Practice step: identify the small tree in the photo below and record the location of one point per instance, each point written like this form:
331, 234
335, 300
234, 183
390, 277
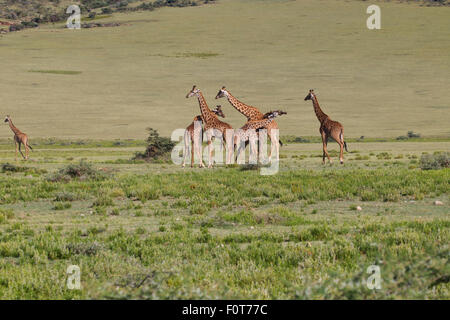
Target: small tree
158, 148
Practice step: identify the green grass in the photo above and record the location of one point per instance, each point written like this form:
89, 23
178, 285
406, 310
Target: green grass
159, 231
378, 83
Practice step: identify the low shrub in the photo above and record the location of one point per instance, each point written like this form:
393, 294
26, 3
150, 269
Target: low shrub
65, 197
158, 148
6, 214
435, 161
82, 170
62, 205
103, 201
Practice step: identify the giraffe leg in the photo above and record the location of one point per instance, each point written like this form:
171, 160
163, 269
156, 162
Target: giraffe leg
17, 150
323, 147
271, 144
198, 145
20, 150
339, 139
186, 149
253, 157
27, 150
229, 145
341, 155
192, 153
210, 150
240, 145
325, 151
275, 145
199, 155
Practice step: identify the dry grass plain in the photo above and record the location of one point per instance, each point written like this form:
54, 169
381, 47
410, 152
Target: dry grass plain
379, 83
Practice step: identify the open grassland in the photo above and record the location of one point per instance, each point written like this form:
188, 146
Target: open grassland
140, 230
105, 83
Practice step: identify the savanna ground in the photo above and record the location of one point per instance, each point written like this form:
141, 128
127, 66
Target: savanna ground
140, 230
155, 230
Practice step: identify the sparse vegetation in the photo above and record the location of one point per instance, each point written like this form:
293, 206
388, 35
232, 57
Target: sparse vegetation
228, 219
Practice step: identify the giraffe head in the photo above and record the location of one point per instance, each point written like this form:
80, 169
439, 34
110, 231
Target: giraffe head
310, 95
218, 111
7, 118
193, 92
222, 93
274, 114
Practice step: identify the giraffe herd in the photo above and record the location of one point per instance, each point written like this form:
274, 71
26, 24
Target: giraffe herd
230, 138
256, 120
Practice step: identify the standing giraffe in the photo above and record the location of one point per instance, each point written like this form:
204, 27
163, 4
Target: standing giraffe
192, 134
328, 128
19, 138
248, 132
253, 113
212, 125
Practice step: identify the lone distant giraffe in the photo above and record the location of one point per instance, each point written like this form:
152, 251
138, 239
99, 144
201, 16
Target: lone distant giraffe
19, 138
248, 132
328, 128
192, 136
212, 124
253, 113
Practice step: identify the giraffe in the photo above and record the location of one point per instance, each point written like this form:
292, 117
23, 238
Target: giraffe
328, 128
253, 113
248, 132
212, 125
192, 134
19, 138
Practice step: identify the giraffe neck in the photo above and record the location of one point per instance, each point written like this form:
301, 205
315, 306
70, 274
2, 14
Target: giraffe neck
321, 116
204, 109
239, 106
13, 128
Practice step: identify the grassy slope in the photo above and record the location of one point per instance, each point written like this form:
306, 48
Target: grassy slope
378, 83
159, 231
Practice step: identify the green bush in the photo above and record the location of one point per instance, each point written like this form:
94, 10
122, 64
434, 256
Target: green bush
158, 148
6, 214
435, 161
8, 167
103, 201
82, 170
65, 197
62, 205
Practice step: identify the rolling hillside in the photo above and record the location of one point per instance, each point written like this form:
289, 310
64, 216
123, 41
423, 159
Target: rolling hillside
105, 83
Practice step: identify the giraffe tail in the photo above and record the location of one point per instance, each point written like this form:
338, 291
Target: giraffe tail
281, 143
29, 146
